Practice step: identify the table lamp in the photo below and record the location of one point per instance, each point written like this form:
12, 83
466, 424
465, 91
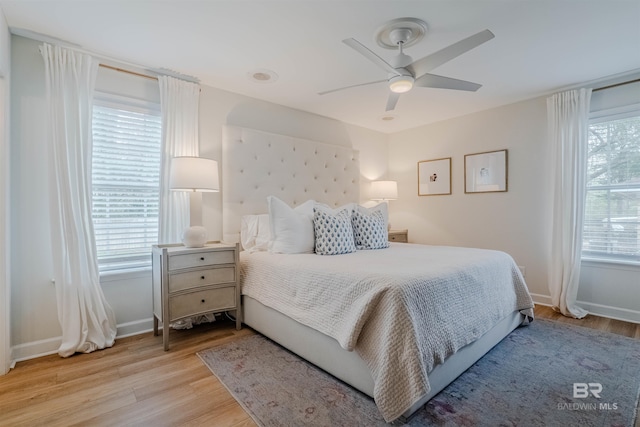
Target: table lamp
384, 190
195, 175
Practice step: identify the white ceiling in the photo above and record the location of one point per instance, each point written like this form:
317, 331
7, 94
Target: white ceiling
539, 46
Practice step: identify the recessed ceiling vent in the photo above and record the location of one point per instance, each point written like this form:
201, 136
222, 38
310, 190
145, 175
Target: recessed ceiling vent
263, 75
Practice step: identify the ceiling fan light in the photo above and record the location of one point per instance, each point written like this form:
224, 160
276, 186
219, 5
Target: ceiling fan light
401, 84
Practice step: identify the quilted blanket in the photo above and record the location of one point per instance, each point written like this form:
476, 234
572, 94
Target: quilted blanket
404, 309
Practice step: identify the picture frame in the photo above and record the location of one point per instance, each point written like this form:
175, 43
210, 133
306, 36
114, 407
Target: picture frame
434, 177
486, 172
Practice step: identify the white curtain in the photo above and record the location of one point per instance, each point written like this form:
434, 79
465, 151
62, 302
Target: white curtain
179, 101
568, 121
88, 322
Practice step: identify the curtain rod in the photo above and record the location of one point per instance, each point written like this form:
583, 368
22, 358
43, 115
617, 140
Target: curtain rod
100, 57
122, 70
616, 85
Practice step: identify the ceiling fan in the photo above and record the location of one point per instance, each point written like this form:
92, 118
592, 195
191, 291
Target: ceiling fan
403, 72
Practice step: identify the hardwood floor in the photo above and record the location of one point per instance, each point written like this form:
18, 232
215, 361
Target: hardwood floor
133, 383
137, 383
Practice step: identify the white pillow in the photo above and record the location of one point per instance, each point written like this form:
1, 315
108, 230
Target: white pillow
370, 229
255, 232
291, 229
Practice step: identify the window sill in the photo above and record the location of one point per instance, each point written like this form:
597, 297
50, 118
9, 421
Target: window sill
128, 274
608, 263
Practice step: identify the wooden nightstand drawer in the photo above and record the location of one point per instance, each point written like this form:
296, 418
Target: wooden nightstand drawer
399, 236
192, 281
202, 302
177, 262
198, 278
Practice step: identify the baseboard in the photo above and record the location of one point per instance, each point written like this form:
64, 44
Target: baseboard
541, 299
601, 310
32, 350
134, 328
615, 313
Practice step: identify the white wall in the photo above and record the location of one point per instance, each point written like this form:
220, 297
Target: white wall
509, 221
34, 323
5, 72
516, 221
33, 300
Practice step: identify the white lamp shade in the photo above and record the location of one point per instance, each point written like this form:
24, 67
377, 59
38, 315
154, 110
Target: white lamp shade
384, 190
194, 174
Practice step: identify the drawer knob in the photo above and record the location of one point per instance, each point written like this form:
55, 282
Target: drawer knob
201, 258
202, 300
202, 277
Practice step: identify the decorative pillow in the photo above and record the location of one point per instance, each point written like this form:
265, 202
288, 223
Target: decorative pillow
349, 207
382, 207
291, 229
255, 232
370, 229
334, 234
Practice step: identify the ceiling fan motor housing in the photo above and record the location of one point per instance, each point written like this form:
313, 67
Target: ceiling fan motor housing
400, 35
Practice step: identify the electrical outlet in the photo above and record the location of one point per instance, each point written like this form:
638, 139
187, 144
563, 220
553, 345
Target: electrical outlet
522, 269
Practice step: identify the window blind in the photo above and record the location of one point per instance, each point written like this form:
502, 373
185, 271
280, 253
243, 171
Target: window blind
612, 209
126, 182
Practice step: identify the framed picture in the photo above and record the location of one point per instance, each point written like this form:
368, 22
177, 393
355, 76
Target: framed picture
434, 177
485, 172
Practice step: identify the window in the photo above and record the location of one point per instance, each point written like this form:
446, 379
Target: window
612, 210
126, 181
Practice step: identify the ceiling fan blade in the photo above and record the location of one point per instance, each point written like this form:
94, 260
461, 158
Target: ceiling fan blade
392, 101
441, 82
366, 52
428, 63
349, 87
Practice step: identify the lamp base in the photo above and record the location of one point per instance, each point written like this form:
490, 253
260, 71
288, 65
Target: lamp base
194, 237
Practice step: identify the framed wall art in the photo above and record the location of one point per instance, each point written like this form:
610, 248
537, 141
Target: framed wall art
434, 177
485, 172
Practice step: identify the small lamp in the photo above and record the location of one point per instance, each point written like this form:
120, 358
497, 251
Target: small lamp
384, 190
195, 175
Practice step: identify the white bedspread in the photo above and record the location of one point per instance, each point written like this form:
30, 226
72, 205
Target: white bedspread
404, 309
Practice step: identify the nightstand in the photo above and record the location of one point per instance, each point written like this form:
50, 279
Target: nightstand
400, 236
193, 281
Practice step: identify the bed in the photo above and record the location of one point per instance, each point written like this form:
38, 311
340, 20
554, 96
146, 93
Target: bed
398, 324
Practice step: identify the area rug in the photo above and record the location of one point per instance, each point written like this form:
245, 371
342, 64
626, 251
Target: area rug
544, 374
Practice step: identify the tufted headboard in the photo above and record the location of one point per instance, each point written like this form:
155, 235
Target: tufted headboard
258, 164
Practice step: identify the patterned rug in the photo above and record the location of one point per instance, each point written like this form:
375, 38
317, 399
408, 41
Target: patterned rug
544, 374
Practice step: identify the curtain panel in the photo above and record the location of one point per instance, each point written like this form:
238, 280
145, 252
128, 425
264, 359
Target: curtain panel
179, 101
568, 121
87, 321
